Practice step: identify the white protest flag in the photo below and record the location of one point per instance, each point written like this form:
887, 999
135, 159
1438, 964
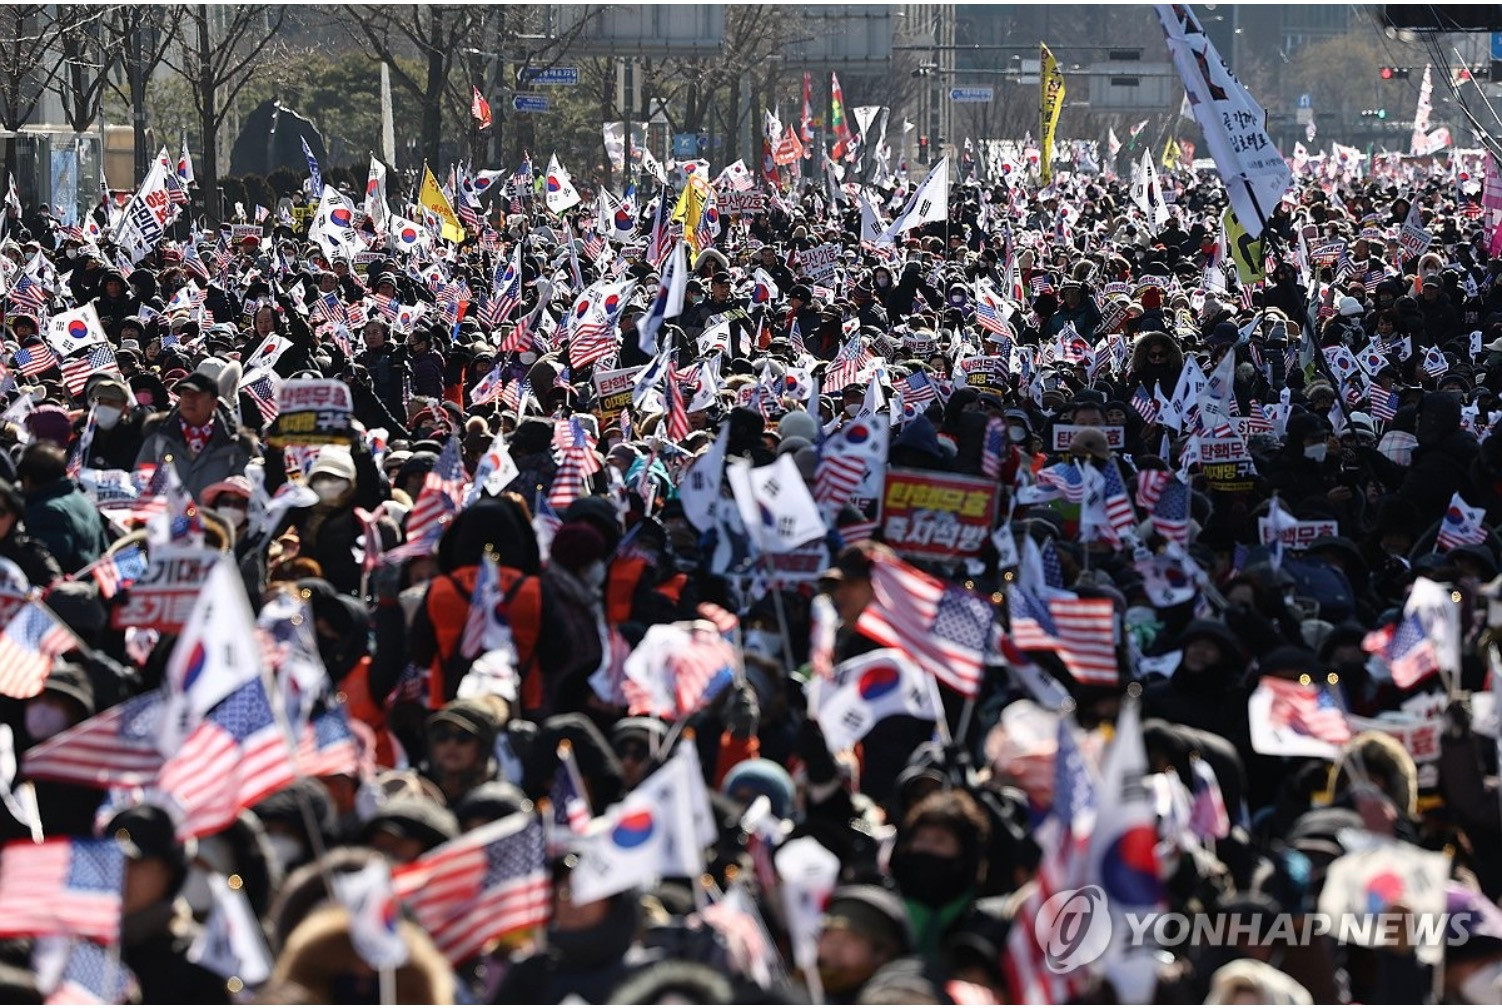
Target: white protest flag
368, 898
1390, 877
867, 689
407, 235
807, 873
930, 203
375, 194
659, 830
699, 491
668, 302
231, 943
1234, 125
779, 513
333, 227
69, 332
19, 800
494, 472
1186, 395
216, 653
1147, 193
150, 211
558, 188
1419, 142
871, 223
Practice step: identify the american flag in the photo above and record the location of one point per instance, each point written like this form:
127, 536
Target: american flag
34, 360
1384, 405
846, 368
117, 570
570, 806
1308, 709
1146, 405
1150, 484
578, 462
262, 392
116, 748
234, 758
1171, 512
28, 645
593, 340
795, 340
1066, 478
77, 370
675, 684
1081, 630
1040, 285
328, 746
1406, 649
385, 306
484, 884
1119, 513
678, 427
943, 627
993, 449
91, 976
68, 887
441, 494
28, 294
1031, 978
918, 391
990, 319
506, 288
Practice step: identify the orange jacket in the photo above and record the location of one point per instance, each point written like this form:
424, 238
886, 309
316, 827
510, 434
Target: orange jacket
363, 707
625, 575
447, 605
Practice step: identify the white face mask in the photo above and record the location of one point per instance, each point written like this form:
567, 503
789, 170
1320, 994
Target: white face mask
1316, 452
233, 513
852, 409
593, 575
764, 643
44, 720
527, 358
1483, 986
1017, 434
330, 490
107, 416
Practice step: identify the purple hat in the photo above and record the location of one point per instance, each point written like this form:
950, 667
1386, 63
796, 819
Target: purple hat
50, 422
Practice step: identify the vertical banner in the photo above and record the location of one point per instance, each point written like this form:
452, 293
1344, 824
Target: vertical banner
1050, 101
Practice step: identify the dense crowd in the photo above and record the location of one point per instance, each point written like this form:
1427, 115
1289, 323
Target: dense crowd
1100, 518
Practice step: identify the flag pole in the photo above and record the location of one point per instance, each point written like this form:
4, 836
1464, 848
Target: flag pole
388, 985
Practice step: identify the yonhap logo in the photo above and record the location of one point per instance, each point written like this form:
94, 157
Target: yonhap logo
1073, 928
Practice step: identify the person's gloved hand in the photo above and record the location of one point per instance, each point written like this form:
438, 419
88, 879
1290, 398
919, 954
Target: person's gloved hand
742, 711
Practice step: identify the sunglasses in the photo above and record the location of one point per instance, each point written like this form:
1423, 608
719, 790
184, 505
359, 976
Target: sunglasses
444, 733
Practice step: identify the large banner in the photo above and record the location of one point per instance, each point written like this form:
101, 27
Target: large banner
150, 211
928, 514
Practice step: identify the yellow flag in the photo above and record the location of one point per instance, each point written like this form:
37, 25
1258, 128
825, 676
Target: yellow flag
433, 200
1050, 101
1244, 250
1171, 154
690, 208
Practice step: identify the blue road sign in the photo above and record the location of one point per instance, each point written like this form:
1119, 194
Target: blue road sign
530, 102
971, 94
1306, 101
565, 76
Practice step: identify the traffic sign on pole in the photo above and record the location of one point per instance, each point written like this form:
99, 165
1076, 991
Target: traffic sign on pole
975, 95
530, 102
565, 76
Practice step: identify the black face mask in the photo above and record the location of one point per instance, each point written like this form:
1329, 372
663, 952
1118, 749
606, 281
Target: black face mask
930, 879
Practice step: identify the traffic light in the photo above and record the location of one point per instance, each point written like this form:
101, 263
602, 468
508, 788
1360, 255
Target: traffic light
1374, 113
923, 147
1393, 73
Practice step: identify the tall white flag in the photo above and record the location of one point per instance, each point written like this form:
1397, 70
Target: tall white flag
869, 688
375, 194
1234, 125
930, 203
779, 513
558, 188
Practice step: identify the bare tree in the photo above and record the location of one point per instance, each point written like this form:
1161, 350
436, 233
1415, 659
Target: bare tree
88, 54
435, 34
222, 48
28, 66
140, 35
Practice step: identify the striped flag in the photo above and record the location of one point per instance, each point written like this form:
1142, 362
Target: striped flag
943, 627
1066, 478
34, 360
29, 644
486, 883
235, 757
90, 361
577, 463
68, 887
675, 670
1150, 484
441, 494
678, 427
917, 391
28, 294
89, 975
1171, 512
1032, 977
993, 449
116, 748
117, 570
1147, 406
328, 746
1119, 514
1082, 631
1384, 405
262, 392
1462, 525
1306, 708
1407, 650
506, 289
570, 806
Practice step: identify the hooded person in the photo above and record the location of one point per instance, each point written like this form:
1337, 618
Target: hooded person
502, 528
573, 610
939, 863
1205, 690
28, 553
1442, 460
460, 743
156, 927
865, 937
1156, 360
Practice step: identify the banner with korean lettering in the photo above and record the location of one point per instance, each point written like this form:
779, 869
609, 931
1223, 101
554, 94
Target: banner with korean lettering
1225, 464
928, 514
1234, 125
312, 411
1050, 103
984, 374
148, 214
1296, 535
162, 598
613, 391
